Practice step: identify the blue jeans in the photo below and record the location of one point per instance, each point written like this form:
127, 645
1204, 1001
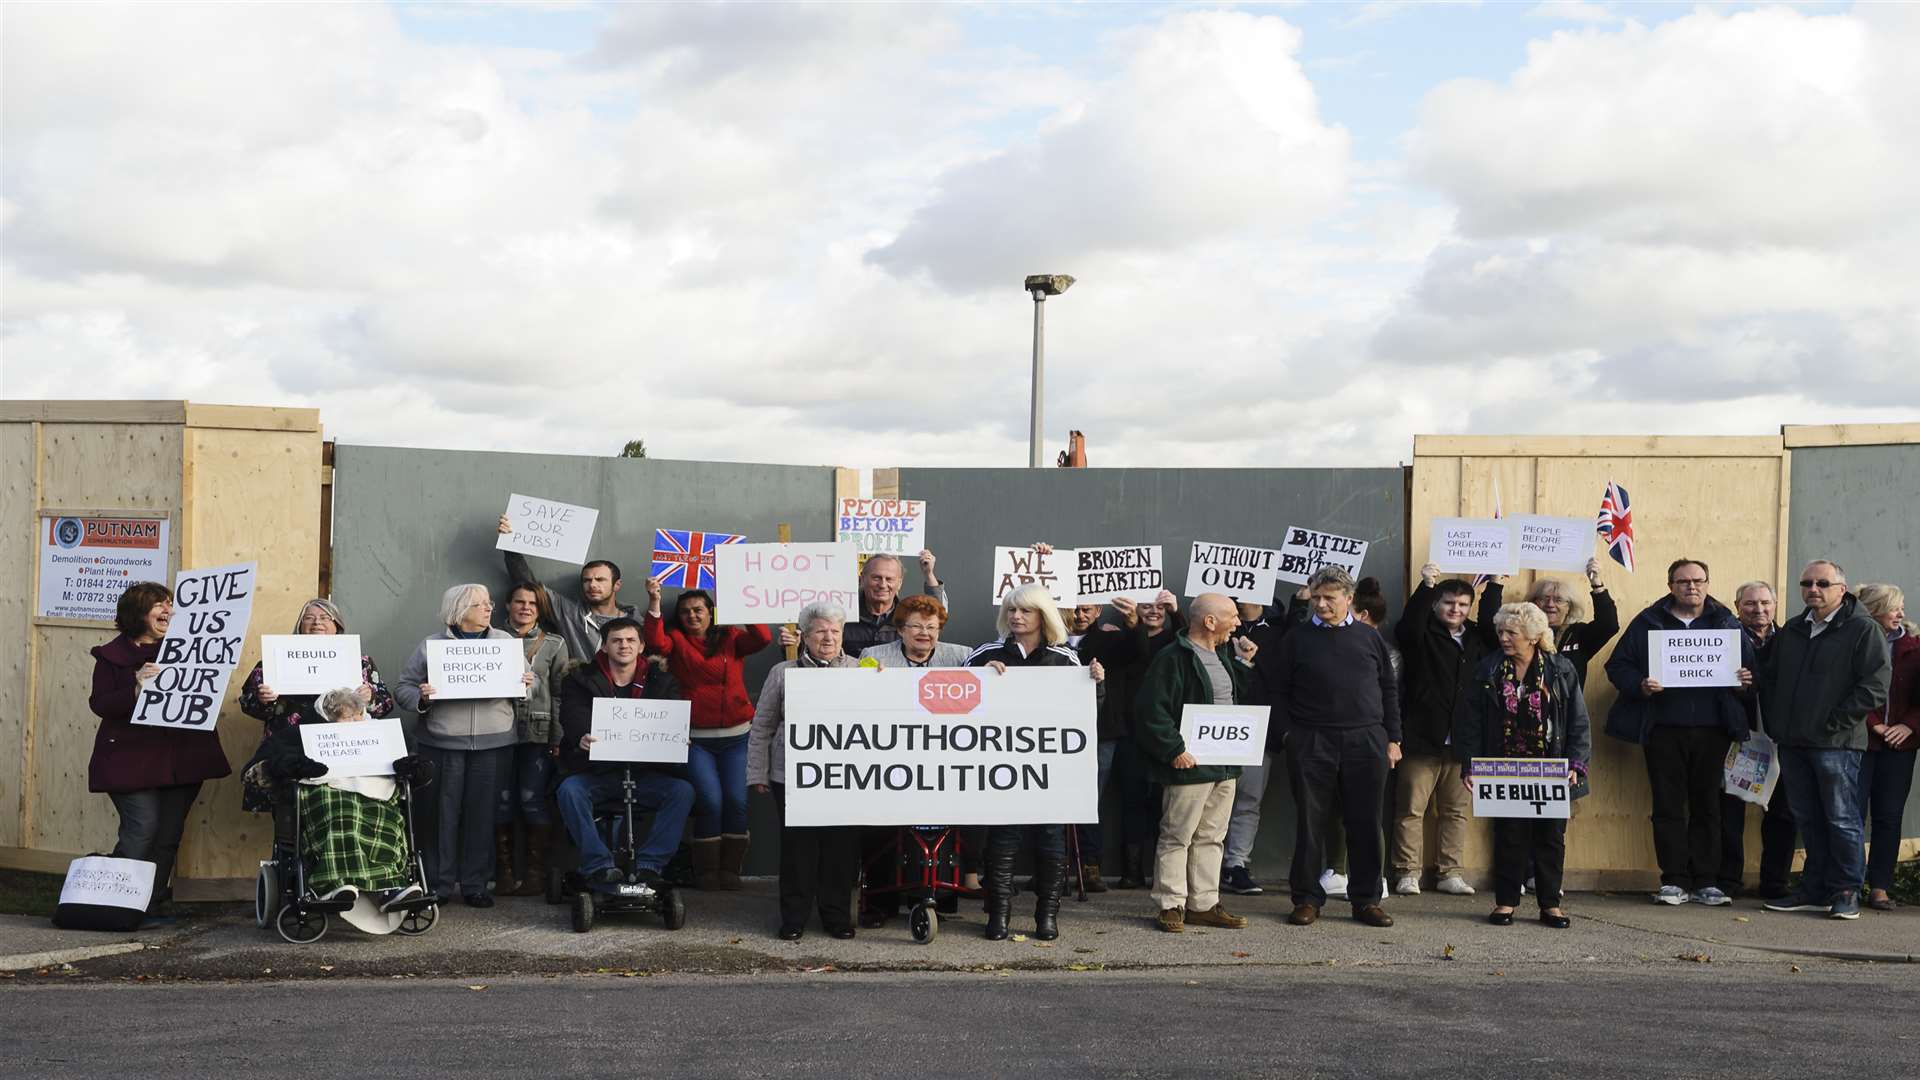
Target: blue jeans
523, 788
1886, 776
669, 797
718, 769
1823, 788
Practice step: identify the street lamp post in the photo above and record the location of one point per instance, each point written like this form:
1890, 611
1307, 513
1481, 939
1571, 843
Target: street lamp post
1040, 286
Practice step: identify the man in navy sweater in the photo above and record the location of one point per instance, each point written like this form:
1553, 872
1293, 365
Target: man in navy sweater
1337, 705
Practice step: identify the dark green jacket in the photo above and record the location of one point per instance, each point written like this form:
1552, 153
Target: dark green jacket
1817, 691
1173, 681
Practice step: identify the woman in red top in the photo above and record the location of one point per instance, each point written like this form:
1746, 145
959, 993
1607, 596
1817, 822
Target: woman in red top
708, 661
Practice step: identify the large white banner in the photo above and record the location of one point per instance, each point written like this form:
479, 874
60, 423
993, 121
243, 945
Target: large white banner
941, 747
771, 583
210, 613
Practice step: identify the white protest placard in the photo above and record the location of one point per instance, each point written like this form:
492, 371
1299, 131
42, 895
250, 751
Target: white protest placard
872, 526
108, 882
1680, 658
1752, 770
1017, 566
355, 747
1521, 788
463, 668
640, 729
87, 562
1225, 734
551, 530
1471, 546
1551, 543
309, 663
1307, 550
210, 613
1102, 573
1244, 573
933, 747
770, 583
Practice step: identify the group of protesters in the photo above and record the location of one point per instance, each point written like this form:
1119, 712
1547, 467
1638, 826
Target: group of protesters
1377, 729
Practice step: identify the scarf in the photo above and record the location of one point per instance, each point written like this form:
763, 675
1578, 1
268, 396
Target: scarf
1523, 707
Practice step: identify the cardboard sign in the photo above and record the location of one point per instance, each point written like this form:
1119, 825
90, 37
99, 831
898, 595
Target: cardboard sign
1102, 573
1752, 770
1471, 546
461, 669
310, 663
1017, 566
1521, 788
108, 882
935, 746
354, 748
87, 562
1307, 551
872, 526
1225, 734
551, 530
770, 583
1680, 658
1244, 573
1551, 543
210, 613
639, 729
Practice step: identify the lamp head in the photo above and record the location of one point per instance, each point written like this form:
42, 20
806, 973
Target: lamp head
1045, 285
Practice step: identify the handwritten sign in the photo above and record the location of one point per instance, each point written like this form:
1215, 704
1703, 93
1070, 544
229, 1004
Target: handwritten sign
1102, 573
354, 748
1521, 788
1244, 573
551, 530
1225, 734
1694, 657
1017, 566
873, 526
210, 613
1471, 546
1307, 550
309, 663
108, 882
639, 729
1551, 543
87, 562
770, 583
462, 668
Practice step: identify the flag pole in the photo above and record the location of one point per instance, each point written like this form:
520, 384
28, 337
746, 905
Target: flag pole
786, 537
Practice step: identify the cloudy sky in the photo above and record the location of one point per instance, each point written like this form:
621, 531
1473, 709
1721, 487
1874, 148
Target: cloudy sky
793, 233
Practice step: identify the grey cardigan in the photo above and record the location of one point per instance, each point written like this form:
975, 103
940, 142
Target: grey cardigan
466, 724
767, 741
536, 717
892, 655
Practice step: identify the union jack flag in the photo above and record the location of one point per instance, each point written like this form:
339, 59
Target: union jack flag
684, 559
1615, 525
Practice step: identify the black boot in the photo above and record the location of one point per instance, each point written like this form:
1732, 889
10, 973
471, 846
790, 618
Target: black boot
1049, 876
999, 884
1133, 868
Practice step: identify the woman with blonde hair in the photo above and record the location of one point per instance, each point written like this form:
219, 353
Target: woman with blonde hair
1526, 701
1886, 772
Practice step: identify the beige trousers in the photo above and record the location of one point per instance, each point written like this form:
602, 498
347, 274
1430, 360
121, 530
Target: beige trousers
1425, 779
1193, 831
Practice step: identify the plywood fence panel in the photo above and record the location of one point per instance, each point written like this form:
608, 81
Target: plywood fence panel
104, 466
61, 815
17, 555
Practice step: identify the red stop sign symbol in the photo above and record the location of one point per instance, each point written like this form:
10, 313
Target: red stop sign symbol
951, 691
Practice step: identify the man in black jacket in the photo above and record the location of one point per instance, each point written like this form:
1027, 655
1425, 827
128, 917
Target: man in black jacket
616, 672
1114, 645
1827, 669
1684, 731
880, 582
1264, 626
1439, 647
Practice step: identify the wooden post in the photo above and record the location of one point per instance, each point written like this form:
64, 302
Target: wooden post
786, 537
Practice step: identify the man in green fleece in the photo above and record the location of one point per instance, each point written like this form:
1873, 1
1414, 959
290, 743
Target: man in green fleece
1200, 668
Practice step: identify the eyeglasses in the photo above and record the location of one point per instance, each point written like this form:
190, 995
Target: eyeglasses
1820, 583
918, 628
1695, 582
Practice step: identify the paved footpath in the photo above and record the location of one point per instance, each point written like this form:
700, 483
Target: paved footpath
732, 933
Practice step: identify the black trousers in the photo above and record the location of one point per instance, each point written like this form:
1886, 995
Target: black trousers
1515, 841
1047, 843
1777, 839
1347, 768
817, 865
1685, 769
151, 821
456, 818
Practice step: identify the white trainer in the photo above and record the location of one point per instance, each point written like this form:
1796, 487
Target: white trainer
1672, 894
1454, 885
1333, 884
1408, 885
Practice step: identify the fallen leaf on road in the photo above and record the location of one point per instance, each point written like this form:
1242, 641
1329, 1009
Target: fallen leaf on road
1238, 955
1003, 974
266, 971
1741, 918
1019, 937
1085, 950
1043, 944
1696, 957
1191, 982
478, 986
1497, 971
818, 970
1446, 953
733, 941
326, 967
1078, 967
1794, 968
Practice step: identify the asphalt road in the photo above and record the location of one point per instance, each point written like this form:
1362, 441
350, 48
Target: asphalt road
1754, 1022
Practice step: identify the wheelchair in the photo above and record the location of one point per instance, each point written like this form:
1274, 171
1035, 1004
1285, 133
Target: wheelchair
617, 821
282, 899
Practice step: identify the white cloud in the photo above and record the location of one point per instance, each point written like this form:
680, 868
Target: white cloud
1579, 11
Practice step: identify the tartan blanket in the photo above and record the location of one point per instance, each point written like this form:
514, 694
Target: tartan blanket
350, 839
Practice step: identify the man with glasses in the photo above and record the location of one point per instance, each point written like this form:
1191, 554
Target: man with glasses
1827, 669
1684, 731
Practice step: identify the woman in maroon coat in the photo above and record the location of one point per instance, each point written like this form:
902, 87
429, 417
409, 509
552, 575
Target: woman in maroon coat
152, 774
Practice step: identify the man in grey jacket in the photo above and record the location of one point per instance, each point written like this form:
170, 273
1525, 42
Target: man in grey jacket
580, 620
1826, 670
